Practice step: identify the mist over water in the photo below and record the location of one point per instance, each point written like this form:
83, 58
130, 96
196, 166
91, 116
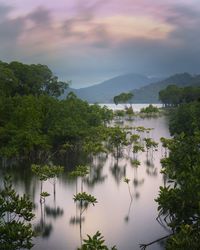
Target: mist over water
136, 107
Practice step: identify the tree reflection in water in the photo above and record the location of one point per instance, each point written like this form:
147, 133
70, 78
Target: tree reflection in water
118, 172
84, 200
151, 170
54, 212
96, 176
126, 180
127, 217
42, 228
78, 220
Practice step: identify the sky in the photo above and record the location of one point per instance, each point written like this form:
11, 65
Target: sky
89, 41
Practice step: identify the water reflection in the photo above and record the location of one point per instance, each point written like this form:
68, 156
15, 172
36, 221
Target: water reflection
123, 222
75, 220
149, 162
137, 182
43, 228
152, 171
118, 172
54, 212
127, 217
79, 219
96, 176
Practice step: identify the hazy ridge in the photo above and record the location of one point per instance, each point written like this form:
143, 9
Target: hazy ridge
145, 89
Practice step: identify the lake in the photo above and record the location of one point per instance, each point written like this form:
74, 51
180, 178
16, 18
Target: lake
123, 223
136, 106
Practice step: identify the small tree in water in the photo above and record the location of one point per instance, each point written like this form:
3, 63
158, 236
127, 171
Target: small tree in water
45, 172
117, 139
95, 242
80, 171
84, 200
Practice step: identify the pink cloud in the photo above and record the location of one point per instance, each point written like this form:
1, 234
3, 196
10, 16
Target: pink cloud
120, 33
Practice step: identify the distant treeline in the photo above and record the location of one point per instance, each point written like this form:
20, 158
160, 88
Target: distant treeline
173, 95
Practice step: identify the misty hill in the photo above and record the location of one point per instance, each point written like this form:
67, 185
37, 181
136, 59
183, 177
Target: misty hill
105, 91
145, 89
149, 94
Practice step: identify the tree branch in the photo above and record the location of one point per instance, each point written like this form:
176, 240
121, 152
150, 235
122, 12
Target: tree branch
144, 246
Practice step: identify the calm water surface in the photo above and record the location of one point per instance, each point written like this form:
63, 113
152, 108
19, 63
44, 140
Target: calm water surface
122, 222
136, 106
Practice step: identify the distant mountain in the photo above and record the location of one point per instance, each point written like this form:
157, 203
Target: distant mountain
149, 93
105, 91
145, 89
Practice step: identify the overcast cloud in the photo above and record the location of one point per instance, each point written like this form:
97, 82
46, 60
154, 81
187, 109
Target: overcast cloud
89, 41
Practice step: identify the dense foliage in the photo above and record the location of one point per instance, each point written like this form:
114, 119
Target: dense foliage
179, 201
34, 124
96, 242
185, 119
15, 216
173, 95
35, 79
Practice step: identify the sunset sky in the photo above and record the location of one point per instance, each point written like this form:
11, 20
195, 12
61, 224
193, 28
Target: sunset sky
89, 41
